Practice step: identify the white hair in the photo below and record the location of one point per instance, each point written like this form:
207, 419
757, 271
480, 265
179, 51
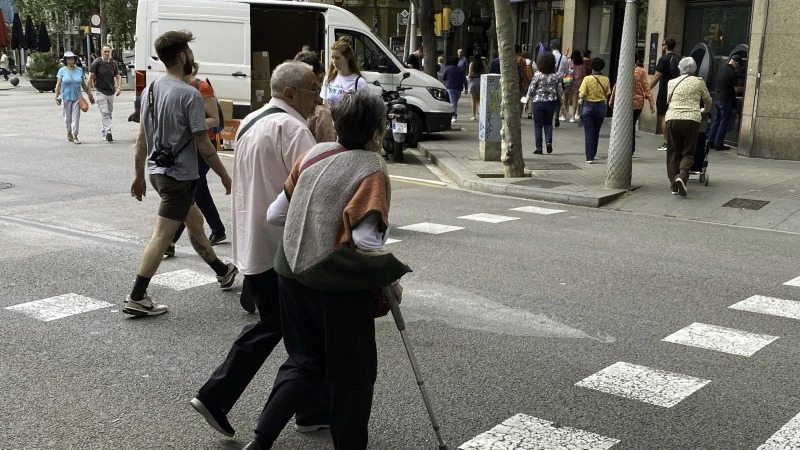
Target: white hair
289, 74
687, 66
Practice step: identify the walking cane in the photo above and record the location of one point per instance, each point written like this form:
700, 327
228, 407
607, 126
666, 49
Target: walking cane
401, 327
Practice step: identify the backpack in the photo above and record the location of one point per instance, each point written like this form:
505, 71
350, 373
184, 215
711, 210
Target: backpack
221, 125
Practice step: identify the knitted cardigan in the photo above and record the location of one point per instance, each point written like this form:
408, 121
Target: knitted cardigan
331, 190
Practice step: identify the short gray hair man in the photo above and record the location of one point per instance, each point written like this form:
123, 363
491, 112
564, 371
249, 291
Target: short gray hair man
687, 66
288, 74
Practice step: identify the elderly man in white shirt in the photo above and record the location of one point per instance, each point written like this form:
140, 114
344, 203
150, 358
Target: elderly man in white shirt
268, 143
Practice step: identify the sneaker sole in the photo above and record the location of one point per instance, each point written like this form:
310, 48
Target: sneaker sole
141, 313
310, 428
201, 408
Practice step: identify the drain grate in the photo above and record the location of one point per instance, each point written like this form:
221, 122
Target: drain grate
746, 203
5, 185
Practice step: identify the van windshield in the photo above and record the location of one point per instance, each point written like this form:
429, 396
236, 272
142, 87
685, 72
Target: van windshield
371, 57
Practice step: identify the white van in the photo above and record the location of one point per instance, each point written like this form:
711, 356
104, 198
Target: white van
228, 31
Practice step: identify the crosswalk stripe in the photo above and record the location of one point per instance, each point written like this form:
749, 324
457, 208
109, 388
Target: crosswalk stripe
490, 218
793, 282
787, 437
769, 305
657, 387
58, 307
721, 339
538, 210
431, 228
180, 280
523, 432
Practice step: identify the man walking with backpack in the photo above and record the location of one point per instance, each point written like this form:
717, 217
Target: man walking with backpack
104, 75
172, 132
666, 69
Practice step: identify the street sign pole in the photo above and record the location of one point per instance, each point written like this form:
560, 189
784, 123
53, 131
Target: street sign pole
620, 148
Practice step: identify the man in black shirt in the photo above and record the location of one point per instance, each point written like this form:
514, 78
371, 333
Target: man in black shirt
666, 69
414, 60
724, 102
105, 76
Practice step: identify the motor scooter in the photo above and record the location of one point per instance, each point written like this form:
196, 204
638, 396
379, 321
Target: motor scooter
398, 115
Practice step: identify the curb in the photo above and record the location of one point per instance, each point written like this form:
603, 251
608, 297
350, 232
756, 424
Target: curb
470, 181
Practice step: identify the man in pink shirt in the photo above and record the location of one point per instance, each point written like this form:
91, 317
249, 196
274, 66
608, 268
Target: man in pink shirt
268, 143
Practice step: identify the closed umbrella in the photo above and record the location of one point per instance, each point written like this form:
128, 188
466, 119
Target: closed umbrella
31, 43
17, 38
4, 40
44, 39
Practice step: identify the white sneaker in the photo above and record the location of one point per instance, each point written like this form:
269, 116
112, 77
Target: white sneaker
226, 281
453, 120
143, 307
562, 118
589, 161
571, 120
662, 148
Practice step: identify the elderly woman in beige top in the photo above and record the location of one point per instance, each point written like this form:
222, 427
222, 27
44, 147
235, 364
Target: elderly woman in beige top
684, 113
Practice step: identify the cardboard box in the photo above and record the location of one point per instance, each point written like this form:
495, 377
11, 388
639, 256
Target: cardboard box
230, 129
260, 66
259, 94
227, 108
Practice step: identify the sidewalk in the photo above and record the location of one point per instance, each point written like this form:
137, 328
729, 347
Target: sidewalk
564, 177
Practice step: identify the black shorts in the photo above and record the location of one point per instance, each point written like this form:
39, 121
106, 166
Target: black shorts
177, 197
661, 106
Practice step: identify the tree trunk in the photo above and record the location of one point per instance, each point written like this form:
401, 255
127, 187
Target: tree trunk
426, 18
510, 133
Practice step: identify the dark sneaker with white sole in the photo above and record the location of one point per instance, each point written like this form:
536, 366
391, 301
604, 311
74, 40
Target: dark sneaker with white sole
215, 238
170, 251
214, 416
109, 138
681, 186
143, 307
226, 281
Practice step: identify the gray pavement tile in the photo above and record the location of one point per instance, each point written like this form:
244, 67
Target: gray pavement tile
772, 214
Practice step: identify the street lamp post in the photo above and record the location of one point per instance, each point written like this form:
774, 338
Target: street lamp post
620, 148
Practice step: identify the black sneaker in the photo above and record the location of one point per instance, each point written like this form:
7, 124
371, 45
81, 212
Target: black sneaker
170, 251
226, 281
214, 416
246, 301
215, 238
558, 122
722, 148
681, 186
310, 428
109, 138
549, 148
538, 151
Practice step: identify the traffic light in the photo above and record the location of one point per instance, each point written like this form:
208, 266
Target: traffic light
446, 19
437, 24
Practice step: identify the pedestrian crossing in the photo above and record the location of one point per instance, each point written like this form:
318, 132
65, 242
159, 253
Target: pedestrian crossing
651, 385
436, 228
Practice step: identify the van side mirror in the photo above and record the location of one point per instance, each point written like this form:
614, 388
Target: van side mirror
383, 64
377, 83
406, 75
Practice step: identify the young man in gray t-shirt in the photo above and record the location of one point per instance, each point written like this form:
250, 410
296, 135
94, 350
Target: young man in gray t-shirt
171, 134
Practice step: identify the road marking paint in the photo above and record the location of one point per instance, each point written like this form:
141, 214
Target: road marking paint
59, 307
431, 228
418, 180
490, 218
721, 339
769, 305
183, 279
523, 432
657, 387
537, 210
393, 241
794, 282
785, 438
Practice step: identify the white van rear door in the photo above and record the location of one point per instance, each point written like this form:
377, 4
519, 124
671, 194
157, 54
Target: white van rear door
222, 41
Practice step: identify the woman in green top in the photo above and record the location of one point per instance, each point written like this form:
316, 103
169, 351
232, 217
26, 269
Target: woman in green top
68, 90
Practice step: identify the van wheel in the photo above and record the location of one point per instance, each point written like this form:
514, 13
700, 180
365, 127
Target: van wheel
415, 131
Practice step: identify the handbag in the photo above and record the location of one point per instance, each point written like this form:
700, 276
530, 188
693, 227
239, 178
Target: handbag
83, 104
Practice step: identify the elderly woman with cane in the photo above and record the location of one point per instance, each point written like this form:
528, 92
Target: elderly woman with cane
332, 267
682, 125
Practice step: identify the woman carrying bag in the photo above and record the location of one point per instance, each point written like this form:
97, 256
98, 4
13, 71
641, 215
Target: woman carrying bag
593, 94
68, 90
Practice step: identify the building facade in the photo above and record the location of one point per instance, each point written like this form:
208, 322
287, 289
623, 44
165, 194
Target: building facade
767, 119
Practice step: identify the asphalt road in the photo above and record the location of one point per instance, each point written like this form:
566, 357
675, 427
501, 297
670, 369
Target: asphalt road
507, 318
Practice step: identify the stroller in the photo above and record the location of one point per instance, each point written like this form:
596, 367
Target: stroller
700, 167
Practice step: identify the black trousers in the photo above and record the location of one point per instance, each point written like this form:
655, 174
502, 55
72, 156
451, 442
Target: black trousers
330, 338
251, 349
204, 201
